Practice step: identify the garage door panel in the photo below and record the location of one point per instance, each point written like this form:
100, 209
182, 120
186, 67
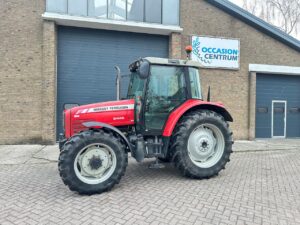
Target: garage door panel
277, 87
293, 122
263, 120
86, 60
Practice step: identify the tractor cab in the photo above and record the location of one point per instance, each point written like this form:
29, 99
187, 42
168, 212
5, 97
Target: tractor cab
159, 86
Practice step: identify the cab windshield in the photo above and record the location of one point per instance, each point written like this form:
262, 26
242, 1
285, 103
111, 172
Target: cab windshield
195, 83
136, 86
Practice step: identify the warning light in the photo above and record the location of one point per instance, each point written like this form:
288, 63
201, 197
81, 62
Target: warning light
188, 50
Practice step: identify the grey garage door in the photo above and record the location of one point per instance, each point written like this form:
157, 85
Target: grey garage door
86, 60
277, 106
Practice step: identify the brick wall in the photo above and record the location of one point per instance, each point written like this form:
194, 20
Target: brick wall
49, 83
232, 87
175, 46
20, 71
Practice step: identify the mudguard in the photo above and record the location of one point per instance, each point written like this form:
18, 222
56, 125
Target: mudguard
193, 104
96, 125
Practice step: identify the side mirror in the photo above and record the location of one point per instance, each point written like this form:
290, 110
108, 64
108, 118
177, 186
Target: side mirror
70, 105
143, 70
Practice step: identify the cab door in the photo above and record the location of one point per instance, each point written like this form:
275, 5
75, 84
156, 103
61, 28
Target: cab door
166, 91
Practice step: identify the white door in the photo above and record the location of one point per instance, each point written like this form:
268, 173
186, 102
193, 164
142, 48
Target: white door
278, 119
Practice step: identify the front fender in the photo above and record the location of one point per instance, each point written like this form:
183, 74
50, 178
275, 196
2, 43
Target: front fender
190, 105
98, 125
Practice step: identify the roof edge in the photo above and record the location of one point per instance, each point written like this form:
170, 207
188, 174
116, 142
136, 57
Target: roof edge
256, 22
176, 62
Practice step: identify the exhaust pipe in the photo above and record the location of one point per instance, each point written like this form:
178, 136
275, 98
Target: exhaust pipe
118, 80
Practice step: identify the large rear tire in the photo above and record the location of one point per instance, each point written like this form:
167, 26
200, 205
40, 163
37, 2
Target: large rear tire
92, 162
202, 144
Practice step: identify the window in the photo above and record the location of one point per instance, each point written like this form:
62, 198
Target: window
262, 109
77, 7
117, 9
58, 6
135, 10
170, 12
294, 110
153, 11
167, 82
278, 110
136, 86
166, 90
195, 83
149, 11
97, 8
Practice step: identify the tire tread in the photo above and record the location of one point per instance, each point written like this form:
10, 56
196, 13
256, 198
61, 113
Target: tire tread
179, 139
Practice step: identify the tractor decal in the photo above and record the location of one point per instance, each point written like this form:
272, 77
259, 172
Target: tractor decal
106, 109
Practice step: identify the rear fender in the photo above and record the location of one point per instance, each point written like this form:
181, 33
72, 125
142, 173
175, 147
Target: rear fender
192, 105
97, 125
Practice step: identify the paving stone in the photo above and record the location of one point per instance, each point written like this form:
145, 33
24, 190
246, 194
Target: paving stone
255, 188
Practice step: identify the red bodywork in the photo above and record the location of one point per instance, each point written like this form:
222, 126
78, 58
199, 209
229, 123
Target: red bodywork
115, 113
189, 104
121, 113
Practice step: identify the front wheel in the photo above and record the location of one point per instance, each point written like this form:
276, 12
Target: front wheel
202, 144
92, 162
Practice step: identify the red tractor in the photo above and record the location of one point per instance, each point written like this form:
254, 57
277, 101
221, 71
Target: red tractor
164, 116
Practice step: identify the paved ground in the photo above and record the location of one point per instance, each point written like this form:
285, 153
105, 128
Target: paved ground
257, 187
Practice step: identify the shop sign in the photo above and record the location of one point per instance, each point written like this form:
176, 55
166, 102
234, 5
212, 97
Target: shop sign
214, 52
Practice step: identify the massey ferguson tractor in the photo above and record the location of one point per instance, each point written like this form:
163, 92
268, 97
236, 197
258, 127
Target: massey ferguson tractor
163, 116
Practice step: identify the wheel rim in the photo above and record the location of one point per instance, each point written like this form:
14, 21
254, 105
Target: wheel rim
95, 163
206, 145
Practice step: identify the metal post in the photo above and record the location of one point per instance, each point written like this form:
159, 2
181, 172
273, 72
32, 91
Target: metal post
118, 79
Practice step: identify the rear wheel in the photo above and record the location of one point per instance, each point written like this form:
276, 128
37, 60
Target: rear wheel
202, 144
92, 162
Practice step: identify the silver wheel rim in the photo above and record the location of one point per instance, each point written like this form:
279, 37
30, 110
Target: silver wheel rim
95, 163
206, 145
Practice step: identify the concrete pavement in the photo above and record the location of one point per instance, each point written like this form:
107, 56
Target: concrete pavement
28, 154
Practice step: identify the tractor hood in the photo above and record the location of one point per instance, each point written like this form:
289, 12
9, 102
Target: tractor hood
103, 107
115, 113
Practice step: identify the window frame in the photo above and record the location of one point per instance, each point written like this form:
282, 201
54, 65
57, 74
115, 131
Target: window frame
189, 84
89, 2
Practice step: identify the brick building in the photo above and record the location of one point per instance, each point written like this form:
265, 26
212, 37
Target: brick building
63, 51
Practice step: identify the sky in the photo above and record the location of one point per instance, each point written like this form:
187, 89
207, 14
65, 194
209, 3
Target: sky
240, 3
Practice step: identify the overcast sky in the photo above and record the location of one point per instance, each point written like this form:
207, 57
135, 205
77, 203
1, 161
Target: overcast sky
240, 3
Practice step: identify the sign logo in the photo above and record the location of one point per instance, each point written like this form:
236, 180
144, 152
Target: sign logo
216, 52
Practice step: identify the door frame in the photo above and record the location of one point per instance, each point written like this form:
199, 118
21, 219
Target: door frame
272, 118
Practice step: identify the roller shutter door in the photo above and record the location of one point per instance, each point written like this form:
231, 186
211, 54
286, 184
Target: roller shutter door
277, 106
86, 60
